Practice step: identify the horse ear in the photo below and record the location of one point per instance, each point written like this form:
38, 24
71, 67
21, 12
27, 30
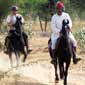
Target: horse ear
17, 17
67, 21
63, 21
20, 18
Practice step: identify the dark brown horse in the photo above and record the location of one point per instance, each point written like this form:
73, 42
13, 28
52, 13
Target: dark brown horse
16, 42
63, 53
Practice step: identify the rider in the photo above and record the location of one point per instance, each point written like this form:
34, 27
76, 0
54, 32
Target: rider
11, 20
56, 25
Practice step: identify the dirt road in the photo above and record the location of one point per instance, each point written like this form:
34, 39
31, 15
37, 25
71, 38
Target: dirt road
37, 70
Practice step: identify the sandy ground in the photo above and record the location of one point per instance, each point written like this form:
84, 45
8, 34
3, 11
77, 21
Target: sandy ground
37, 70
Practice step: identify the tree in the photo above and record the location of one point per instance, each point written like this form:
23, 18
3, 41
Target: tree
4, 7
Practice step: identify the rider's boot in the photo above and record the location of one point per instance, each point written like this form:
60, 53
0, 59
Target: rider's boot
74, 56
27, 46
54, 56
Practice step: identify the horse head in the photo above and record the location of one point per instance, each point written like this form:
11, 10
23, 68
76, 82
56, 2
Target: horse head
65, 28
18, 21
18, 24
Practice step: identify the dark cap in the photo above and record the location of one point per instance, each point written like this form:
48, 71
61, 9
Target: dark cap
14, 8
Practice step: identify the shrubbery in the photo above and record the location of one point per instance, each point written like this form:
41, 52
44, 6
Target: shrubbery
80, 36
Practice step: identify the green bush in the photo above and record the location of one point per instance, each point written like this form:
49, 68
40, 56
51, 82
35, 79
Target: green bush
80, 36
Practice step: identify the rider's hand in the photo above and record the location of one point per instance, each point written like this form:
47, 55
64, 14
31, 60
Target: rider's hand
57, 33
13, 25
60, 34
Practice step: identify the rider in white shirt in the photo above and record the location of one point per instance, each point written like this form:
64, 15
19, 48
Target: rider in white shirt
56, 25
11, 20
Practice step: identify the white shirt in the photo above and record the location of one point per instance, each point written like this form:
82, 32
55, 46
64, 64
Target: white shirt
56, 23
12, 19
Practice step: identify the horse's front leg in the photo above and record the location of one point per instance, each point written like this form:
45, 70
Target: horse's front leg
11, 61
17, 54
56, 74
61, 68
66, 73
25, 56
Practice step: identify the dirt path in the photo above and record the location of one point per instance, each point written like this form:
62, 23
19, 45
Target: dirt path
37, 70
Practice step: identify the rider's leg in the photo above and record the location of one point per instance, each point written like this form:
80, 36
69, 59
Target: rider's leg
7, 40
53, 50
54, 59
11, 61
49, 48
74, 44
26, 41
17, 54
74, 55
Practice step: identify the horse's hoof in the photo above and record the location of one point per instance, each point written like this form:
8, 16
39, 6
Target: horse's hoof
76, 60
6, 52
23, 60
61, 76
56, 81
65, 82
51, 62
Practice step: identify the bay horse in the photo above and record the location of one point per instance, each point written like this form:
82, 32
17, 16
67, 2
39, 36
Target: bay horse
16, 42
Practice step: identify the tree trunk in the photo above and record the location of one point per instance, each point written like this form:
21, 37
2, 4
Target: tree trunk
46, 24
41, 24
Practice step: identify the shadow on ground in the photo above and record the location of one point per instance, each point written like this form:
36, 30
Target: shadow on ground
20, 83
24, 83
